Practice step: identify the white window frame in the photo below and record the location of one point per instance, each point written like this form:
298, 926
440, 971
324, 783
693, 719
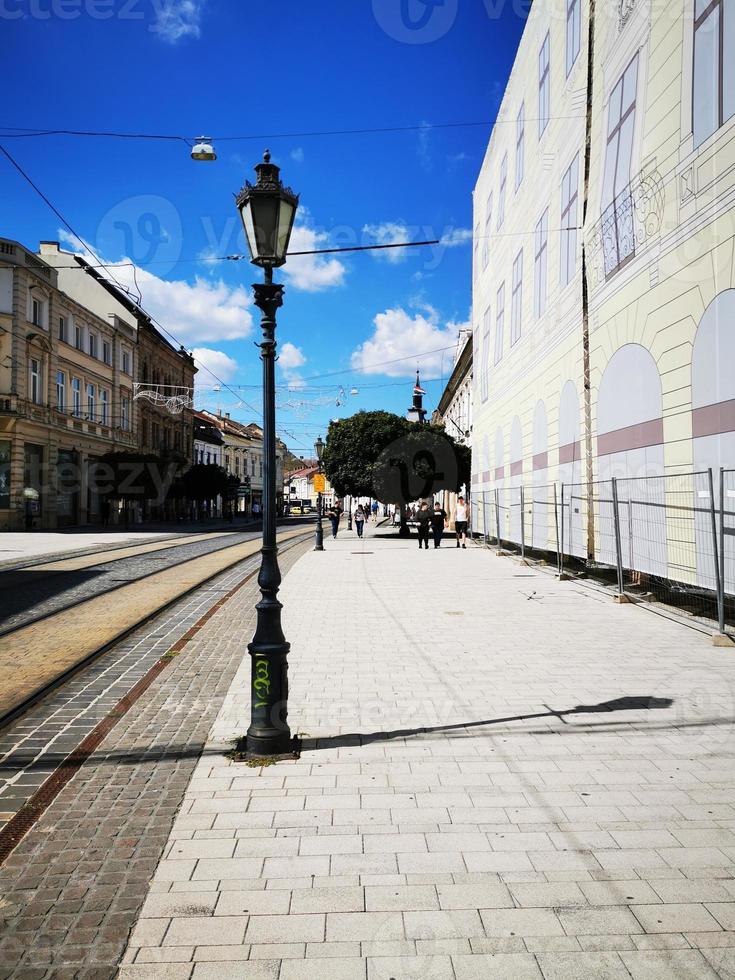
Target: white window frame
78, 336
91, 403
712, 15
485, 369
76, 397
568, 232
35, 380
107, 352
488, 231
92, 344
501, 192
520, 143
60, 391
540, 264
126, 362
104, 399
125, 413
574, 33
618, 235
544, 85
64, 329
516, 303
499, 323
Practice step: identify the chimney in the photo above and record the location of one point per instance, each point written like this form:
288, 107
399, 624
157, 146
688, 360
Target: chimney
227, 415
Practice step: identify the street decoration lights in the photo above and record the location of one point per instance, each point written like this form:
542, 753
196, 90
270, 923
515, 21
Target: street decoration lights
267, 210
319, 545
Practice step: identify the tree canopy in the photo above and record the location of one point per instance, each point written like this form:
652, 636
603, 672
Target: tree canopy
382, 455
205, 481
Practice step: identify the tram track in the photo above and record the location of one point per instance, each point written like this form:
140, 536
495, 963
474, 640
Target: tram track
54, 733
37, 656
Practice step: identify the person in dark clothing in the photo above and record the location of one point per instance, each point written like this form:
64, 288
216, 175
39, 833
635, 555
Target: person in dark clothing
423, 520
359, 520
438, 523
334, 513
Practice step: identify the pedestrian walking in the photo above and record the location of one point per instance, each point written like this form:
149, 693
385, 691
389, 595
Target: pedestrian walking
359, 520
438, 523
423, 520
460, 522
334, 513
375, 511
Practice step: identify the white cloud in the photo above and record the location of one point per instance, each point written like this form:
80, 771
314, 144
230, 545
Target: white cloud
399, 335
298, 154
312, 273
290, 357
453, 237
191, 311
388, 233
223, 366
177, 19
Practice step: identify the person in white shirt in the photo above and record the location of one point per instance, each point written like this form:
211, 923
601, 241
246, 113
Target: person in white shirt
460, 522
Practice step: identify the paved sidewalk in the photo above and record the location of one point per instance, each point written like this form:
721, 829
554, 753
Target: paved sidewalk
502, 776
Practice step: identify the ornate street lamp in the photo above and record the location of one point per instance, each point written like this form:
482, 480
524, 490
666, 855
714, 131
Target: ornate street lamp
319, 546
268, 209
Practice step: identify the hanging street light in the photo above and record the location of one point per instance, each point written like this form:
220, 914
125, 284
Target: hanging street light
319, 545
203, 149
267, 210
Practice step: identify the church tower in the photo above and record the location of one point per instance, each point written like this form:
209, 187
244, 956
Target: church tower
417, 412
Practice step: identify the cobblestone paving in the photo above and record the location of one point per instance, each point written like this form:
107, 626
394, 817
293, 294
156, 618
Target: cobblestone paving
72, 889
506, 777
29, 596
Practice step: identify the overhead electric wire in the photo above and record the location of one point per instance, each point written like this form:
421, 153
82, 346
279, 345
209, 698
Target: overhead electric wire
84, 244
21, 132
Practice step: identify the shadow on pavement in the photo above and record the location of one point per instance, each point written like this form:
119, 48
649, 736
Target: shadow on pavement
645, 703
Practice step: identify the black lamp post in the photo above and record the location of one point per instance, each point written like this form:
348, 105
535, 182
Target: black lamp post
268, 209
319, 545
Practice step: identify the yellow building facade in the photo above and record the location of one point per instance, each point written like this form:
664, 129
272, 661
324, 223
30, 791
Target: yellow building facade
604, 301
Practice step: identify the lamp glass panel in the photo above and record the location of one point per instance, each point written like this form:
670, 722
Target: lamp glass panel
285, 222
246, 213
265, 219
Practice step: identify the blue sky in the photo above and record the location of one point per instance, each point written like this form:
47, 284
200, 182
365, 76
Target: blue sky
234, 68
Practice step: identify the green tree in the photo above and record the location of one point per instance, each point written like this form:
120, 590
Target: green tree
205, 481
385, 456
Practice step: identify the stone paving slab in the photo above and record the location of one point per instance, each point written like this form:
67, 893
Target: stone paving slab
71, 891
501, 775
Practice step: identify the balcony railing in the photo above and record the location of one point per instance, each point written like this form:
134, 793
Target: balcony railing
631, 220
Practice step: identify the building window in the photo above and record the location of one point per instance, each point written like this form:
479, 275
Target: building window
78, 337
125, 413
90, 402
713, 101
501, 193
126, 362
516, 305
64, 329
92, 345
38, 312
568, 233
488, 230
36, 385
485, 376
499, 323
477, 250
574, 31
544, 70
618, 238
541, 243
104, 406
106, 352
61, 391
520, 137
76, 396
